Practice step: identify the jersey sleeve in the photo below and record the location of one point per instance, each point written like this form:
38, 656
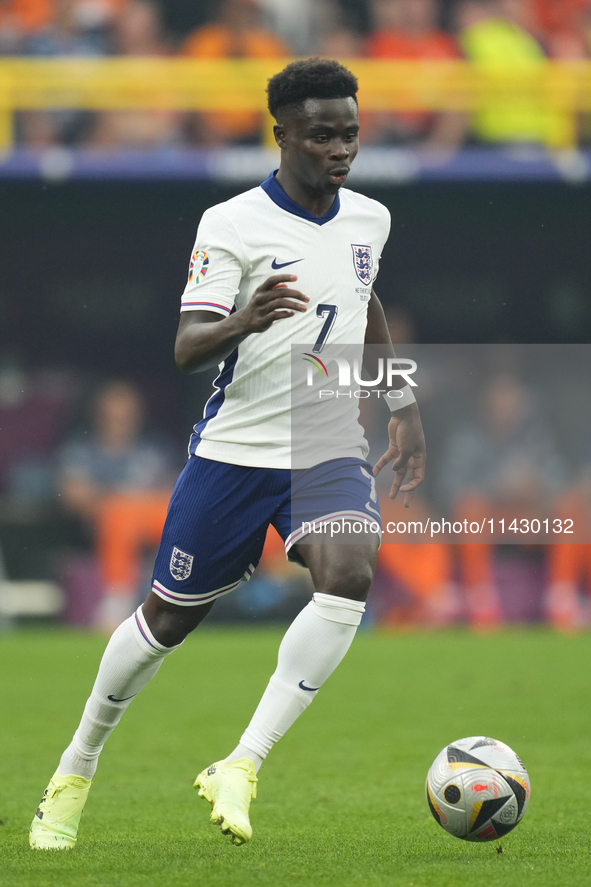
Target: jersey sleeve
216, 267
385, 223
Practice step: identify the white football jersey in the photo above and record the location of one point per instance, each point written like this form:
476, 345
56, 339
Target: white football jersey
242, 242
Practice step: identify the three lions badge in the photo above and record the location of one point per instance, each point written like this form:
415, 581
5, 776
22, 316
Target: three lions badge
181, 564
363, 262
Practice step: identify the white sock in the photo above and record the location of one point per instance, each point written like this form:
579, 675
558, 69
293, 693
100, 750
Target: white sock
313, 646
130, 661
241, 751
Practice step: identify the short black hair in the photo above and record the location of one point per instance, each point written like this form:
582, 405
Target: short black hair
312, 78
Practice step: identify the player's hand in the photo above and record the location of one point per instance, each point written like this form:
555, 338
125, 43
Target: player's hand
272, 300
406, 452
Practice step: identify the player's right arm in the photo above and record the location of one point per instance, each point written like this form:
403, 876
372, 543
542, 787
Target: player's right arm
204, 338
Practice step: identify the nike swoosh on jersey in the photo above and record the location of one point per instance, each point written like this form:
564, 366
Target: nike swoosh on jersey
112, 698
311, 689
276, 265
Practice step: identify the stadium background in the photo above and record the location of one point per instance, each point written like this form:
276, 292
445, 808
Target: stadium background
101, 200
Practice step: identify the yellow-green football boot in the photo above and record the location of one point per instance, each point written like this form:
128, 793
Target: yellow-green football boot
55, 824
229, 786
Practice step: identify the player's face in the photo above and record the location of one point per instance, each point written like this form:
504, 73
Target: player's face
320, 142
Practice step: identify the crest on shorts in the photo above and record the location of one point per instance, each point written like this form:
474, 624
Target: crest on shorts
363, 262
181, 564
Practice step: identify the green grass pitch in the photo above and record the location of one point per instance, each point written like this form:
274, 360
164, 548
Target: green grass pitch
341, 798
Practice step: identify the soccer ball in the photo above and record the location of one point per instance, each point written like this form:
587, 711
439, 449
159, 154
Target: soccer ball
477, 789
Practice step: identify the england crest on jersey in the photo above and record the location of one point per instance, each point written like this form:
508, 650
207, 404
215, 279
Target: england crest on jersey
363, 262
181, 564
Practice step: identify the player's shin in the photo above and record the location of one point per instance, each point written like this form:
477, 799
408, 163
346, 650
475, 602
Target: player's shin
315, 643
130, 661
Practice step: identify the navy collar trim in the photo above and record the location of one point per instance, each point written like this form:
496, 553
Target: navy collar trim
278, 196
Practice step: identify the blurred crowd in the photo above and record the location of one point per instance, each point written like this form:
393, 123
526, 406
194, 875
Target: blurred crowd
524, 32
96, 460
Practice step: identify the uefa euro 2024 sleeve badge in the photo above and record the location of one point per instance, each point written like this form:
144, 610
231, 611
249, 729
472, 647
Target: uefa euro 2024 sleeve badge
181, 564
198, 266
363, 262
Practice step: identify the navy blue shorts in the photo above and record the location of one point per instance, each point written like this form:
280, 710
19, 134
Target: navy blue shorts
219, 514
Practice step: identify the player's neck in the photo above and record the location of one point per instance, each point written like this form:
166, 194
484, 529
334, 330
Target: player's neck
316, 203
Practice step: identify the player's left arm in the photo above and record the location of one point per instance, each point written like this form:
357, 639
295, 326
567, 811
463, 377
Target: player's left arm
405, 430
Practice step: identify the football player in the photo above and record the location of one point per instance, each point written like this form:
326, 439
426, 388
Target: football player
241, 310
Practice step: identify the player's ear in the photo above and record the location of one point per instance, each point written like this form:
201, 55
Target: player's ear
279, 133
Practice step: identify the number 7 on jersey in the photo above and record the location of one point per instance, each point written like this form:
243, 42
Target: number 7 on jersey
330, 312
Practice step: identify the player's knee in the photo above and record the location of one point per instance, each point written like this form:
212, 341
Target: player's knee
349, 580
169, 623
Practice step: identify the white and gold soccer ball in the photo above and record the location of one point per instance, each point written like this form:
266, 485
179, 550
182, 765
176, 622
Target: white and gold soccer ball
477, 789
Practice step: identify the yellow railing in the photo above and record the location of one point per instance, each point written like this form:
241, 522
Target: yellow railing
557, 88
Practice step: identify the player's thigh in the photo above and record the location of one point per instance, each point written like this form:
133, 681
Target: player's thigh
214, 532
333, 526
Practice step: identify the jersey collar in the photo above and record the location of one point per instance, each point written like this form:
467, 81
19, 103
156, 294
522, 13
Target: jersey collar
278, 196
